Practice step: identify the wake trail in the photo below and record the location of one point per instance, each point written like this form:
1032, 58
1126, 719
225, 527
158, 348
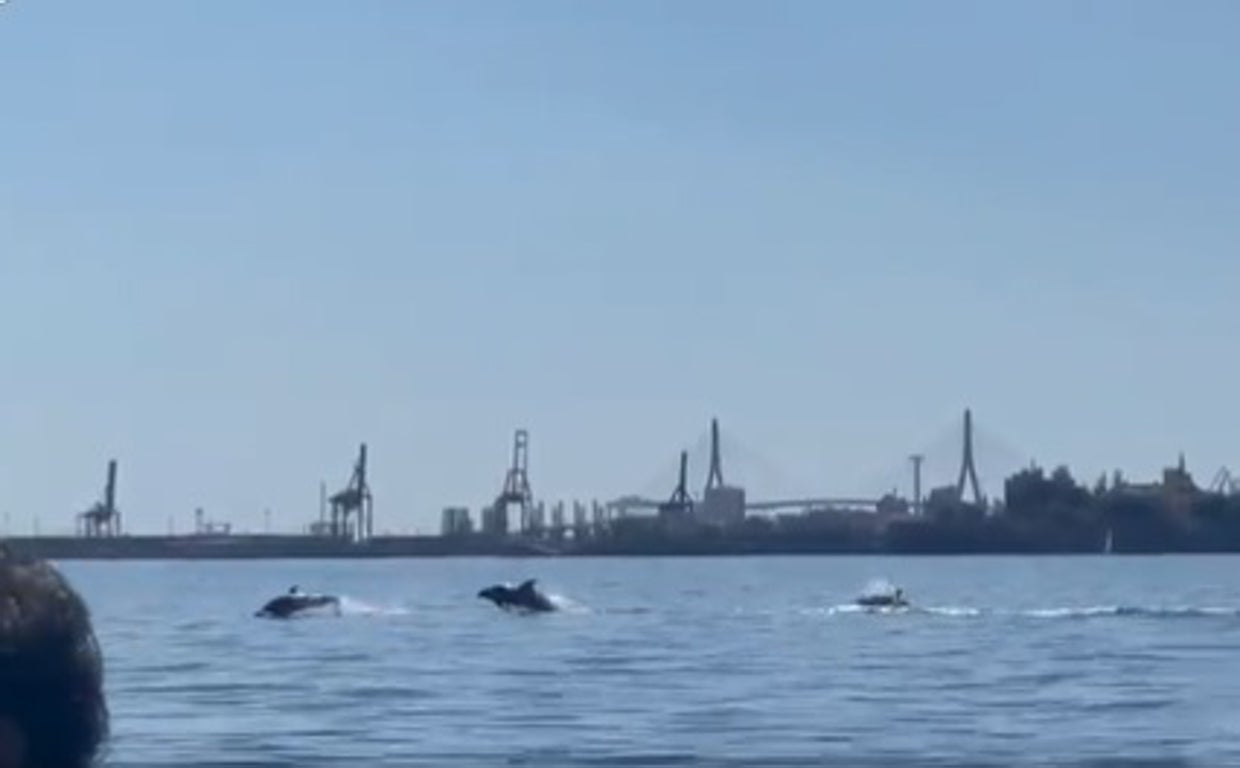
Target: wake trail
1062, 612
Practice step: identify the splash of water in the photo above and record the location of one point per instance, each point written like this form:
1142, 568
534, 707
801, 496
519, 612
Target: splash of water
350, 606
567, 604
951, 611
878, 587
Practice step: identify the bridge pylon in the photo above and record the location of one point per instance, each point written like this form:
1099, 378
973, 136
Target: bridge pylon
714, 475
968, 467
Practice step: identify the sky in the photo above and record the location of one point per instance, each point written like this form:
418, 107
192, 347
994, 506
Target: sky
237, 239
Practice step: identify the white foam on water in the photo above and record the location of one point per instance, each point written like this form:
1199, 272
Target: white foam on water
952, 611
852, 609
1068, 613
350, 606
1063, 612
567, 604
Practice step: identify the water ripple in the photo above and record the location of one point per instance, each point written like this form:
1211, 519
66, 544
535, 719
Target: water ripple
711, 662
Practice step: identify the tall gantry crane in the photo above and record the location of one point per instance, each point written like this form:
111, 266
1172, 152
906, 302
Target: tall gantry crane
104, 518
352, 509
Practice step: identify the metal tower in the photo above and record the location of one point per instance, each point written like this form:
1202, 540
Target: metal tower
917, 460
714, 476
352, 510
681, 503
517, 481
102, 519
968, 470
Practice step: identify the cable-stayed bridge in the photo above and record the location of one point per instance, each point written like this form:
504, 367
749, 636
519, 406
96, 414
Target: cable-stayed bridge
962, 459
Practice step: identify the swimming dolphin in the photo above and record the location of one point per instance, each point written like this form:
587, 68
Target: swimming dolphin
524, 597
884, 601
296, 602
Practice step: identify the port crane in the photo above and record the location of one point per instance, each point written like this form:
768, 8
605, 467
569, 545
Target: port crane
516, 490
103, 519
1224, 482
681, 503
352, 509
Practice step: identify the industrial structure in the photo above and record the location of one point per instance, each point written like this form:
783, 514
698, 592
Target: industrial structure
917, 459
352, 509
348, 515
517, 497
515, 492
103, 519
1038, 513
680, 505
456, 522
721, 503
968, 468
953, 496
725, 504
1225, 483
205, 527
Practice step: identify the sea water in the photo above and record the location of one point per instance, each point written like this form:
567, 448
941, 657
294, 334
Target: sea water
1085, 661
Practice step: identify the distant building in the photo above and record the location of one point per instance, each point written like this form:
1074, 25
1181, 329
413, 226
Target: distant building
673, 512
537, 517
581, 520
945, 498
892, 505
1177, 489
456, 522
721, 505
945, 504
205, 527
636, 525
818, 519
495, 520
320, 528
629, 506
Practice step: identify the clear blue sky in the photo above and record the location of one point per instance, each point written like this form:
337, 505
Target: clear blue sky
237, 238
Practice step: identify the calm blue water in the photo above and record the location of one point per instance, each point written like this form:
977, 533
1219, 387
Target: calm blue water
740, 662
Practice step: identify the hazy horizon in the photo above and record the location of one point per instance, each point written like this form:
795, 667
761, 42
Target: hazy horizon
236, 240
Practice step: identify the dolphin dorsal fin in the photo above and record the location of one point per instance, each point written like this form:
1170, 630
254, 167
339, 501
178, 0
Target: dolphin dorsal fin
527, 585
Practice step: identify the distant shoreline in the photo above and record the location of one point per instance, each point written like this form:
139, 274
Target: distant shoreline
306, 547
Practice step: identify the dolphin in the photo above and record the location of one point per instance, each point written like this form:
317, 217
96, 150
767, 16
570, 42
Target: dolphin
525, 597
296, 602
895, 600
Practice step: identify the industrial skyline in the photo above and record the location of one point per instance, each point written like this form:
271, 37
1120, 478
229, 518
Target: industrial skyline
349, 512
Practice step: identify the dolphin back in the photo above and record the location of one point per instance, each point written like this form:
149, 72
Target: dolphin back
284, 606
280, 606
531, 598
